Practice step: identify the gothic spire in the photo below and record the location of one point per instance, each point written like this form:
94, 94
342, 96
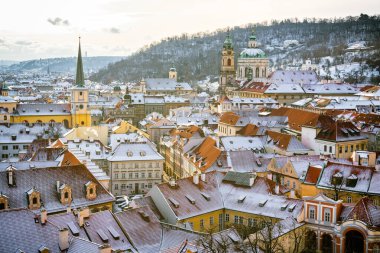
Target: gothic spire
79, 79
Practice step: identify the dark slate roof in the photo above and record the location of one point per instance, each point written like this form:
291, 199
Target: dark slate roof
144, 234
42, 109
105, 220
100, 220
147, 201
45, 180
28, 236
25, 234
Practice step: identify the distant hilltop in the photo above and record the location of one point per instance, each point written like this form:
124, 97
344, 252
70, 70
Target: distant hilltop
288, 43
60, 65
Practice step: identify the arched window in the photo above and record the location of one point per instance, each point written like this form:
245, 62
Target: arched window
257, 72
349, 199
5, 117
264, 72
229, 62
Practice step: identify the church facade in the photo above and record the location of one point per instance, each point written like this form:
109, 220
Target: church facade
73, 114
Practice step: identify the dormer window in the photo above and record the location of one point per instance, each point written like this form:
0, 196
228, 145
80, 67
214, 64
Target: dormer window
34, 199
64, 193
90, 190
3, 202
11, 175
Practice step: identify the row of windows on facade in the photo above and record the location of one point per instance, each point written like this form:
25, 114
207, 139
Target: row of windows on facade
14, 147
136, 176
130, 186
251, 222
326, 216
135, 165
224, 130
352, 148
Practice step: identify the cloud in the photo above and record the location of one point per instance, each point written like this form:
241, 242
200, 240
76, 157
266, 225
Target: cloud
58, 21
113, 30
2, 41
23, 43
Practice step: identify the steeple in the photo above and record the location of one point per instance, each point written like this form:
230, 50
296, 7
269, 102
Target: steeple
228, 41
79, 79
252, 39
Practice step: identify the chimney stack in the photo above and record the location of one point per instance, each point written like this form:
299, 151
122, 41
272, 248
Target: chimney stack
106, 248
80, 219
172, 182
252, 178
196, 178
58, 185
203, 177
292, 194
63, 239
277, 189
43, 216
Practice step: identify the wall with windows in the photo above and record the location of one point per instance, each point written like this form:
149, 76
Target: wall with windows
135, 177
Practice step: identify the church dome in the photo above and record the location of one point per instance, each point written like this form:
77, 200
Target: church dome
252, 53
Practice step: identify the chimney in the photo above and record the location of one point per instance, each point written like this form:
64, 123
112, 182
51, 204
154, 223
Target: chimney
63, 239
172, 182
80, 219
11, 176
277, 189
85, 212
292, 194
196, 178
106, 248
252, 178
68, 209
58, 185
43, 216
203, 177
377, 167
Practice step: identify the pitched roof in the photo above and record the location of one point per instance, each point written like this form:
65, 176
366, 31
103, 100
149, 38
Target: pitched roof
215, 194
142, 227
248, 130
29, 236
206, 153
297, 117
45, 181
339, 131
229, 118
312, 175
364, 210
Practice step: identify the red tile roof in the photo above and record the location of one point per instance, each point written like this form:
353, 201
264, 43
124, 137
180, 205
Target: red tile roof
229, 118
279, 139
248, 130
312, 175
364, 210
297, 117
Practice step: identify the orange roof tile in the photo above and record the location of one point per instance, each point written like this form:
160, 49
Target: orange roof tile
312, 175
229, 118
248, 130
281, 140
297, 117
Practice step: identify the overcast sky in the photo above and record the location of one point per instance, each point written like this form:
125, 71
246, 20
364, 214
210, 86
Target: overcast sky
31, 29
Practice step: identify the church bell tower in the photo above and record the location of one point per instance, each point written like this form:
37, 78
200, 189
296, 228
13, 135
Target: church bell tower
227, 65
80, 114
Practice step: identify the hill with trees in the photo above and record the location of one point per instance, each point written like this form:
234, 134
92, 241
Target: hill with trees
287, 43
